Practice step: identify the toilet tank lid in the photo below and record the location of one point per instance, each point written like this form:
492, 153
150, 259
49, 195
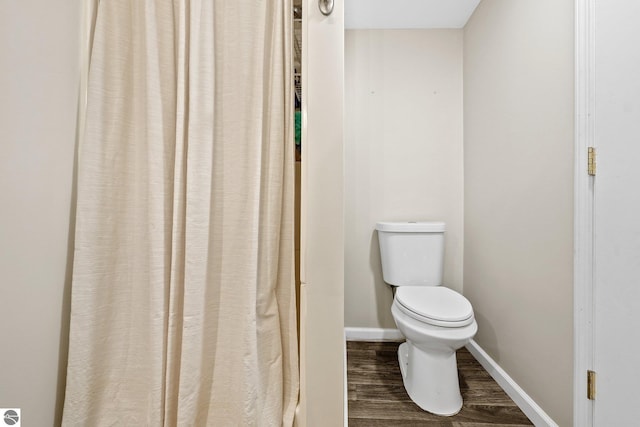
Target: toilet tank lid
411, 226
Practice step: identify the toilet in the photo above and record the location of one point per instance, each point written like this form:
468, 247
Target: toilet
435, 320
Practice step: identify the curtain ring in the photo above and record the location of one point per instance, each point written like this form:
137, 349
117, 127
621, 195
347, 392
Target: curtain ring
325, 6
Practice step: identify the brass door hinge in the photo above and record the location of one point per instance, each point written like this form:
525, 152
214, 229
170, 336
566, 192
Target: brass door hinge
591, 161
591, 385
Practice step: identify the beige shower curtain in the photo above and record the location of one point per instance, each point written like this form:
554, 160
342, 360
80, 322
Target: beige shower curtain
183, 304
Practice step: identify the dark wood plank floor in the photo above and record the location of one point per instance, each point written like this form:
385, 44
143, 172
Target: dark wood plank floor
377, 396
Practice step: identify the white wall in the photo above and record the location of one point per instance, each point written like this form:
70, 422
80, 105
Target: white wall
518, 257
403, 153
322, 246
39, 77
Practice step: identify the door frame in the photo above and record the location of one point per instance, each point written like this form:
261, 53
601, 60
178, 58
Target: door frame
583, 340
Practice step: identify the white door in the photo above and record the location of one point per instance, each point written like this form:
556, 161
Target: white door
617, 213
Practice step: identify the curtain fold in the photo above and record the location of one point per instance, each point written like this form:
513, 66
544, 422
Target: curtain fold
183, 296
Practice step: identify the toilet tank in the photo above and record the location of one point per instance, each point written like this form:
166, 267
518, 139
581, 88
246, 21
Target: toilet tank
412, 253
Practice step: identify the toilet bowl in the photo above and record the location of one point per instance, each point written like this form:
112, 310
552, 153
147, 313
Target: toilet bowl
428, 358
435, 320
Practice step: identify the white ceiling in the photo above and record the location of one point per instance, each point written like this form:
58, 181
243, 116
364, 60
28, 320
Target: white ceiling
361, 14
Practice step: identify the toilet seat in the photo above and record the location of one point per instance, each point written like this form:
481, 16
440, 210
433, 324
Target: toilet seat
435, 305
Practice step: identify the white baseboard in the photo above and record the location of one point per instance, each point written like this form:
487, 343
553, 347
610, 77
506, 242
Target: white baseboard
530, 408
372, 334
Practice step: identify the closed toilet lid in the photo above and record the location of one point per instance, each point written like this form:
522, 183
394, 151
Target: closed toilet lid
435, 302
